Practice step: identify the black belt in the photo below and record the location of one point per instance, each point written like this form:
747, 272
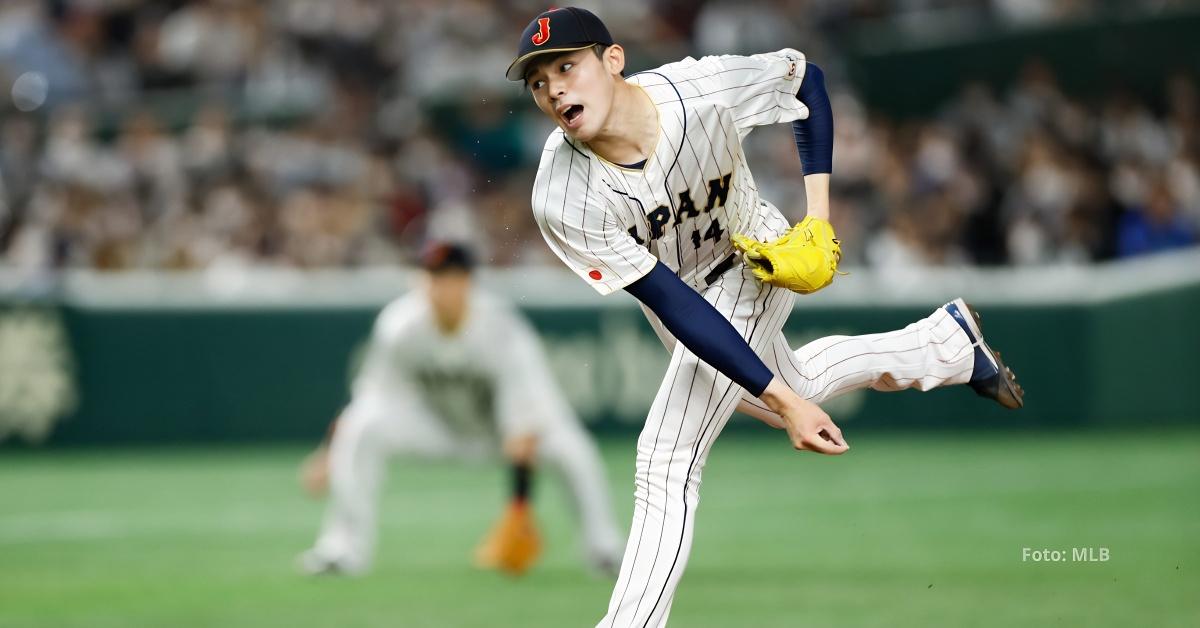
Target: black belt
720, 269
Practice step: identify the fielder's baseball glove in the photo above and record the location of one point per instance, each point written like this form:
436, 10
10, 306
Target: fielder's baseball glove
513, 544
804, 259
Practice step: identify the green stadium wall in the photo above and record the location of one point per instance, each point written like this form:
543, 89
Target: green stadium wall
212, 374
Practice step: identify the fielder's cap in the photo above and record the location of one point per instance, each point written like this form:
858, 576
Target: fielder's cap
441, 256
557, 30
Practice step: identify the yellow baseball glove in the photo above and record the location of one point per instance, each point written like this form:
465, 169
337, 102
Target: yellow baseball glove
804, 259
513, 544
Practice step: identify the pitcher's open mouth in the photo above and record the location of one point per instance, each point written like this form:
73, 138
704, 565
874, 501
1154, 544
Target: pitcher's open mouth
572, 115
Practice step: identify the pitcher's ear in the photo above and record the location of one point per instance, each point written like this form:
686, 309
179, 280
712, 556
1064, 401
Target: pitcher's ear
614, 59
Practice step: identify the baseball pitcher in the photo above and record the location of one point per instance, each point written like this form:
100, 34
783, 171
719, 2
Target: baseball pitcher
644, 187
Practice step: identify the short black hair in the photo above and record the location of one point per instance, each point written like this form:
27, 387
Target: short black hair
444, 256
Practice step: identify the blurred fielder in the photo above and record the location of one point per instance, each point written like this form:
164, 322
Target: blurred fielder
644, 187
453, 372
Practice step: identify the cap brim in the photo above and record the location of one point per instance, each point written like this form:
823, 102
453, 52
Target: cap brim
516, 71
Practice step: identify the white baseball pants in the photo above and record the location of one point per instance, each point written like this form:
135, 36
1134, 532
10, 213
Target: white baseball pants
694, 403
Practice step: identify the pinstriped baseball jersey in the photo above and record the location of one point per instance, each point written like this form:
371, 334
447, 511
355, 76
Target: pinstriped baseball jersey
610, 223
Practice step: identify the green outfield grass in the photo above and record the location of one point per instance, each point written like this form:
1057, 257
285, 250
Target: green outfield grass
903, 531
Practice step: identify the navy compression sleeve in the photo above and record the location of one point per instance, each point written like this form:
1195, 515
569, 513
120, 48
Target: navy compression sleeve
701, 328
814, 134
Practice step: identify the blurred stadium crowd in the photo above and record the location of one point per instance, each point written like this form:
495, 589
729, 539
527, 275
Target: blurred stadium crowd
310, 133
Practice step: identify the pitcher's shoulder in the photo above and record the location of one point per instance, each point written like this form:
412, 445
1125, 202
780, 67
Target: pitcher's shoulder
560, 156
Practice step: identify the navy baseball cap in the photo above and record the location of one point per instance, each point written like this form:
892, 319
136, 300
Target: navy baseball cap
557, 30
437, 257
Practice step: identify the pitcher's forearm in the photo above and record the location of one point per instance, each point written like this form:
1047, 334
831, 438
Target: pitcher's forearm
780, 397
816, 190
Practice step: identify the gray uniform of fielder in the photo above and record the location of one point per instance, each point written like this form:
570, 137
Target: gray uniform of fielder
423, 392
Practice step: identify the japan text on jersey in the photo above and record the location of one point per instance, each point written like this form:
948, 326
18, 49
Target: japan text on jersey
610, 223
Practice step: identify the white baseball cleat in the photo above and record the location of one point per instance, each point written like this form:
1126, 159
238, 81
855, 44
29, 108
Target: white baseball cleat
605, 564
316, 563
